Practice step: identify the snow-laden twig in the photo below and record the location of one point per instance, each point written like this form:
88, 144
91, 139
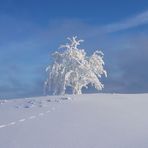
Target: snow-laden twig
74, 69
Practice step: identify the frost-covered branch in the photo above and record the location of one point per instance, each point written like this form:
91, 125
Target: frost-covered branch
74, 69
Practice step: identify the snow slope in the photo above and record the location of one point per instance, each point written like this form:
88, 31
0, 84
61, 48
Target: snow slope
84, 121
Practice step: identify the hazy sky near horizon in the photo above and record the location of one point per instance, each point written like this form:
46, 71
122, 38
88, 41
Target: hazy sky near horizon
30, 30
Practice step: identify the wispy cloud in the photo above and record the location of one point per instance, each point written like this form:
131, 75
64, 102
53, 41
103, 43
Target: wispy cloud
135, 21
24, 53
71, 26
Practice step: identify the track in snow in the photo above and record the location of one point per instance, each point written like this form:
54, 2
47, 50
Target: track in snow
25, 119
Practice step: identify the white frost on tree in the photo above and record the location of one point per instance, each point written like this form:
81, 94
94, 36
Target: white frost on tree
74, 69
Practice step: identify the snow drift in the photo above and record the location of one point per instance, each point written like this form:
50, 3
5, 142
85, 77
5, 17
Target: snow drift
84, 121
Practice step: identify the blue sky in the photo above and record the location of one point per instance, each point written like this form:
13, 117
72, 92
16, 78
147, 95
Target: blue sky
30, 30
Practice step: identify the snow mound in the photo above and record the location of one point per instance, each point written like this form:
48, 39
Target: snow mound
83, 121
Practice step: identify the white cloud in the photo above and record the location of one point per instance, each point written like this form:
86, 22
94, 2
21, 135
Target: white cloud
135, 21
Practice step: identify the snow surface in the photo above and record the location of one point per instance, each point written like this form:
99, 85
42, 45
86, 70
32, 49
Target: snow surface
83, 121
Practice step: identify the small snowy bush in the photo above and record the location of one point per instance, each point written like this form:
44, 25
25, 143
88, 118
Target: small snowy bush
74, 69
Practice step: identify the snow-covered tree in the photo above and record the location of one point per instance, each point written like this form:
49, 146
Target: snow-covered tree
74, 69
